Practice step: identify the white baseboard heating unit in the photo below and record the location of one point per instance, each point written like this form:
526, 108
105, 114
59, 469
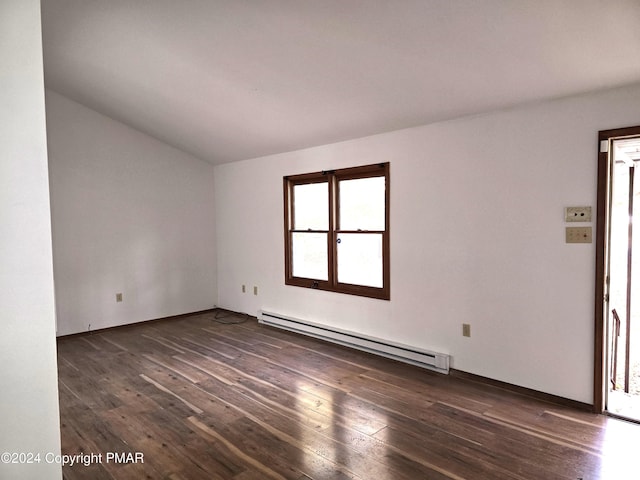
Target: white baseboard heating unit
404, 353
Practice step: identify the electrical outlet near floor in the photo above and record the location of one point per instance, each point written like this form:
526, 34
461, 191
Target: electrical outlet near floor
466, 330
244, 288
255, 290
118, 297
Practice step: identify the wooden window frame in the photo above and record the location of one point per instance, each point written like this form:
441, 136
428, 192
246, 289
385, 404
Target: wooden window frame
332, 178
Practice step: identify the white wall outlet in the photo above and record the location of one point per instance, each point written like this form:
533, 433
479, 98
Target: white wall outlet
578, 235
577, 214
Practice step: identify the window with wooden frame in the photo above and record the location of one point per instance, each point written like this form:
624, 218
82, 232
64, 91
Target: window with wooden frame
336, 228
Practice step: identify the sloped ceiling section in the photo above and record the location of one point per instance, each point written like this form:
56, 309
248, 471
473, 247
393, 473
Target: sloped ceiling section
227, 80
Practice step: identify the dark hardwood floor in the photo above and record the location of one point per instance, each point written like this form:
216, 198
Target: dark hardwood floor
196, 399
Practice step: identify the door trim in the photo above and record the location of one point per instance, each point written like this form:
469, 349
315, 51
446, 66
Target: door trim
602, 228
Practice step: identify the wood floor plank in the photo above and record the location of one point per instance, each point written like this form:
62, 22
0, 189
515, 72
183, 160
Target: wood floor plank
244, 448
201, 399
276, 421
168, 457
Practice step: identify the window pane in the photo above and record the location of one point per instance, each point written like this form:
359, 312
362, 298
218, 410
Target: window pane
362, 204
311, 206
360, 259
310, 255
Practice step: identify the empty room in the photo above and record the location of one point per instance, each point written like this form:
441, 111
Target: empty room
319, 239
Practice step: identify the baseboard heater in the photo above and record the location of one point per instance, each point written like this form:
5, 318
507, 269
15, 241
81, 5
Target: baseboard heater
404, 353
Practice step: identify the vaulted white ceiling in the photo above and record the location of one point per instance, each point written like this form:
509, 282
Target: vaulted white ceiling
227, 80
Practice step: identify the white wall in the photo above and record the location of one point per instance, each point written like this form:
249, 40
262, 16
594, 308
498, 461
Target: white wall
130, 215
477, 236
28, 367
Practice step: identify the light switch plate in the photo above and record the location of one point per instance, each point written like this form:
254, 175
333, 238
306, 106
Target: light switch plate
578, 235
577, 214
